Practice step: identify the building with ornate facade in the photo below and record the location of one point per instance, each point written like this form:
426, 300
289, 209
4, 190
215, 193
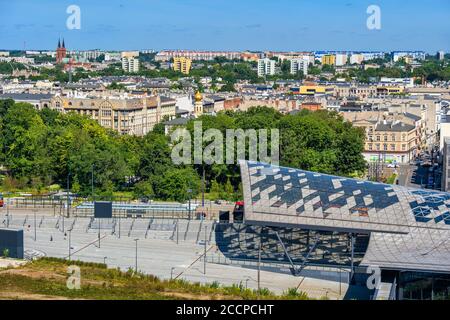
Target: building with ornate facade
126, 115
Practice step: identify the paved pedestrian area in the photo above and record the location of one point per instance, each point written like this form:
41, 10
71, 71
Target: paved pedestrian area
162, 250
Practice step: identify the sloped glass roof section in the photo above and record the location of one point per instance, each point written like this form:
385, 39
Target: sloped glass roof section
409, 228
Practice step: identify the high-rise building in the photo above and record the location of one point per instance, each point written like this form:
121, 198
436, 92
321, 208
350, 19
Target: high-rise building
182, 64
416, 55
298, 65
266, 67
167, 55
356, 58
329, 59
130, 63
341, 59
441, 55
61, 51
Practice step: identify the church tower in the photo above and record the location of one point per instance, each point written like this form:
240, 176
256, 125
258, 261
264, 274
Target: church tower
198, 105
61, 51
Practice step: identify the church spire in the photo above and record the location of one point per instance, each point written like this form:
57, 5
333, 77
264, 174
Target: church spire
63, 44
59, 43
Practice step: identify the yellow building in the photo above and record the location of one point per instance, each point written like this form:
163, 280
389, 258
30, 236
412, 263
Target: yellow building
182, 64
329, 59
315, 89
408, 59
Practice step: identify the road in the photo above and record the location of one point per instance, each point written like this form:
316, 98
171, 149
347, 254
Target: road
413, 176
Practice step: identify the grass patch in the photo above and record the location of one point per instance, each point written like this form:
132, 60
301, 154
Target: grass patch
48, 277
391, 179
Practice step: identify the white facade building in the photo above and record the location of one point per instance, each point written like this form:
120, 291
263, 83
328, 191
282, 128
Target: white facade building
357, 58
266, 67
299, 65
130, 63
341, 59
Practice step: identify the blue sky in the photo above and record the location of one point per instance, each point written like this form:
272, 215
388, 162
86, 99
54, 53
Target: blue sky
227, 24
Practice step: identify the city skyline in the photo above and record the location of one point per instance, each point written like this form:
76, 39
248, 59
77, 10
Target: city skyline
226, 25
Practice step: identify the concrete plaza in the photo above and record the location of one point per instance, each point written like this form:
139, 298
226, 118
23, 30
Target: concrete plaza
165, 248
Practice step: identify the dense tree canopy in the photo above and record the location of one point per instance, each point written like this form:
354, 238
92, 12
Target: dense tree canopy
40, 148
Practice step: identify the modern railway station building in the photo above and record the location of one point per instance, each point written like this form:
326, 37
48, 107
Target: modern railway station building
307, 218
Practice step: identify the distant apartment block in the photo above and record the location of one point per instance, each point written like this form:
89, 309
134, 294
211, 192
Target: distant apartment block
299, 65
341, 59
414, 55
329, 59
130, 63
182, 64
266, 67
441, 55
168, 55
90, 54
356, 58
308, 56
250, 56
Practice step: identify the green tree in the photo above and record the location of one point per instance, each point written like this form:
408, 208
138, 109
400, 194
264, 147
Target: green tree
175, 183
143, 189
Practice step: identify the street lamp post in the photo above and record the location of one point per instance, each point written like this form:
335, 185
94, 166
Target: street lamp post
259, 264
246, 282
35, 233
177, 231
203, 186
68, 198
70, 244
189, 191
99, 227
92, 183
204, 254
136, 261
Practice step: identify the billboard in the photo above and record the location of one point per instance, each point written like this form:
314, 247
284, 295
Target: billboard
103, 209
12, 241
